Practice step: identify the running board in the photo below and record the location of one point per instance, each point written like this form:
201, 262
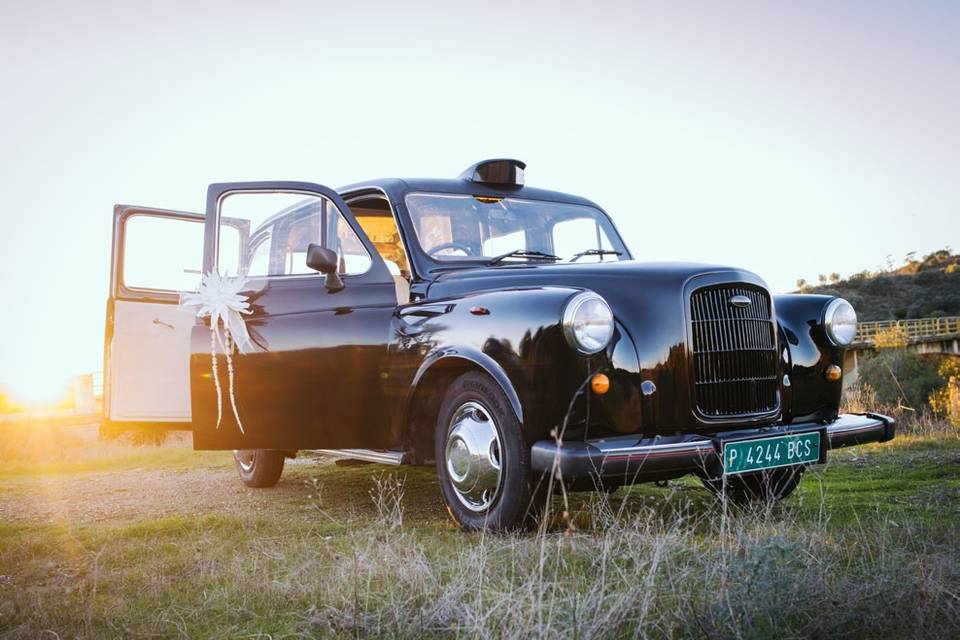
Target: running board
367, 455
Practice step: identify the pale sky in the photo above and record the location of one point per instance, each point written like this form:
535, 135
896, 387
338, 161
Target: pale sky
787, 138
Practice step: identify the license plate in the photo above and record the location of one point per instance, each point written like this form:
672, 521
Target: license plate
742, 456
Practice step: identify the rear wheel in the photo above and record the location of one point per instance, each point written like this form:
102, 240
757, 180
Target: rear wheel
259, 468
483, 459
764, 486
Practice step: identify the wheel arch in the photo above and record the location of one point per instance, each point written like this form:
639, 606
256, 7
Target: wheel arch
429, 385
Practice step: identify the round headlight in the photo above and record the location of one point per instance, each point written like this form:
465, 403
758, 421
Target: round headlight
588, 323
840, 322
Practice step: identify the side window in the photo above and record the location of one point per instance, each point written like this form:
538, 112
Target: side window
275, 231
162, 254
573, 235
376, 219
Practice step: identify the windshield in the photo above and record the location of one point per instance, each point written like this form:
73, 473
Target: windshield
464, 227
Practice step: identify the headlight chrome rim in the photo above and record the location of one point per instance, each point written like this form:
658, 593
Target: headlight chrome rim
570, 328
841, 335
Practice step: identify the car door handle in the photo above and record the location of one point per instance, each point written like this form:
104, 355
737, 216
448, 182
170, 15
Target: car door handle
159, 322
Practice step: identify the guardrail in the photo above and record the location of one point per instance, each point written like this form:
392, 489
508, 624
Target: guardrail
917, 329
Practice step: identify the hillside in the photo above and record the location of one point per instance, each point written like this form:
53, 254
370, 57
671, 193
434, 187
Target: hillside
918, 289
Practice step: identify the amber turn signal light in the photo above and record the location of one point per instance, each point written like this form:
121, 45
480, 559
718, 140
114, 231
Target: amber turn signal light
600, 384
833, 373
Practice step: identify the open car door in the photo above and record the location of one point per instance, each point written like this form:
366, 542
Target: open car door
313, 375
157, 254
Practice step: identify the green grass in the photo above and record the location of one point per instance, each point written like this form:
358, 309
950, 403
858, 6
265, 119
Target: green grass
867, 546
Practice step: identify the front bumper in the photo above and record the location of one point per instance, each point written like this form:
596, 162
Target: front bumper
629, 459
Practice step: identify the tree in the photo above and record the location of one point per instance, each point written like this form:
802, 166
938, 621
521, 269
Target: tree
822, 279
801, 283
834, 277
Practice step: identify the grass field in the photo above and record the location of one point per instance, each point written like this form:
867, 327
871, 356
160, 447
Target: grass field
109, 540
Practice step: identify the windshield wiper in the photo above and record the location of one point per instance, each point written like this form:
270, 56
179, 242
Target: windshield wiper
524, 253
596, 252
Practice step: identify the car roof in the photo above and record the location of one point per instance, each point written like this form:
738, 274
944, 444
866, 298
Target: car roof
397, 188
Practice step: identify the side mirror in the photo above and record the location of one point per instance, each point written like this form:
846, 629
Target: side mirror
325, 261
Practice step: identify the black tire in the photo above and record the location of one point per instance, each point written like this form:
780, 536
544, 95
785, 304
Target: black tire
765, 486
519, 499
259, 468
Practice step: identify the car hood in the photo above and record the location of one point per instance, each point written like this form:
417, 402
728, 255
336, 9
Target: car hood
619, 282
647, 298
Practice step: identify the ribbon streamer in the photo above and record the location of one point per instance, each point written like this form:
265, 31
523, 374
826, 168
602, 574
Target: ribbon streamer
219, 298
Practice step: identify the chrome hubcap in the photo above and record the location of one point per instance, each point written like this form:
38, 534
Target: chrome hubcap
473, 456
245, 458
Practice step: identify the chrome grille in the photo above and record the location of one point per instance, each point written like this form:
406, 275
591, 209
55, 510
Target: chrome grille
734, 352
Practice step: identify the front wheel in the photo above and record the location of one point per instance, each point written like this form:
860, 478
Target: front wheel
259, 468
483, 460
762, 486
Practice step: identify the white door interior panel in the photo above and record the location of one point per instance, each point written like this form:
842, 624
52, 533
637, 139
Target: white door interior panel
150, 362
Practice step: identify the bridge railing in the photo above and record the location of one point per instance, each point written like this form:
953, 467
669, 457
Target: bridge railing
917, 329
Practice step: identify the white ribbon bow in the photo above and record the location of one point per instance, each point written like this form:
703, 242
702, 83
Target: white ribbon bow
219, 298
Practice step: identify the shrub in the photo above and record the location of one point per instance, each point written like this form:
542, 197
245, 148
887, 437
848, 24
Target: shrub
946, 400
927, 278
900, 376
895, 337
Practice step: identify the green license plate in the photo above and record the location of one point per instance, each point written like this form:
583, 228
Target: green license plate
742, 456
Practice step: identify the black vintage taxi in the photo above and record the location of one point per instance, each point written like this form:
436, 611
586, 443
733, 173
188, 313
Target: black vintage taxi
500, 332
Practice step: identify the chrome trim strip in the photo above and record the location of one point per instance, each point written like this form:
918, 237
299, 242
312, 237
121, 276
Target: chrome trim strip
394, 458
846, 424
659, 448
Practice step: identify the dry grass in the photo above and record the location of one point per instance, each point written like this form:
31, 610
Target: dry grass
867, 547
911, 422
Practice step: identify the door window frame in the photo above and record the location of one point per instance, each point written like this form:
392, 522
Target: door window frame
217, 192
118, 287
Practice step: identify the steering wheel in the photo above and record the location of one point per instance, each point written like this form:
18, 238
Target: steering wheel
450, 245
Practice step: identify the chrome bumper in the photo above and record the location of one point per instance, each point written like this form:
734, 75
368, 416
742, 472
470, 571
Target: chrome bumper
632, 459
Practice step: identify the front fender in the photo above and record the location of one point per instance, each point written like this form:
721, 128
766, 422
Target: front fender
514, 335
809, 352
463, 354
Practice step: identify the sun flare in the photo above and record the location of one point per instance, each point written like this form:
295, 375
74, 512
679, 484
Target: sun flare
38, 394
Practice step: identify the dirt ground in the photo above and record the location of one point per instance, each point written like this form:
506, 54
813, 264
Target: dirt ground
120, 495
89, 481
